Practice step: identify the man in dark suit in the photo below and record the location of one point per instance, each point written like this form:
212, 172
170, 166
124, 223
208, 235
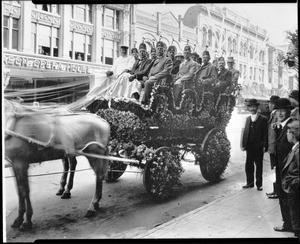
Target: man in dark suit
171, 54
290, 176
160, 69
283, 146
272, 141
254, 141
224, 75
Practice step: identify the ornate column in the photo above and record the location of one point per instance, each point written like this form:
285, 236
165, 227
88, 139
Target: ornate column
65, 34
26, 27
132, 24
97, 38
126, 28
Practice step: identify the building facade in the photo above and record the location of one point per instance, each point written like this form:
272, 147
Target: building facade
49, 44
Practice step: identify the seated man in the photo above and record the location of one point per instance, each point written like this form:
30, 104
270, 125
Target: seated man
207, 74
224, 75
122, 64
186, 72
234, 72
171, 54
161, 69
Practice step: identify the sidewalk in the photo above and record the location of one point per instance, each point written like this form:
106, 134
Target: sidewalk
245, 214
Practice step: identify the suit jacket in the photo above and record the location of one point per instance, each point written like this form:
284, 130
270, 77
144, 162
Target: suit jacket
261, 132
208, 73
175, 68
283, 146
271, 134
224, 77
187, 70
290, 172
141, 68
161, 68
235, 76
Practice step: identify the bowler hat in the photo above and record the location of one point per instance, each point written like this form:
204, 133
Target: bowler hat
252, 102
124, 46
283, 103
230, 60
143, 46
273, 98
294, 126
295, 94
160, 44
172, 48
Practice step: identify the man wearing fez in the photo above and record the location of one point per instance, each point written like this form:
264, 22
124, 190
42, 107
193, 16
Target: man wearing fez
153, 53
255, 142
234, 72
122, 64
282, 147
272, 141
294, 99
171, 52
186, 72
135, 53
160, 69
207, 74
290, 176
140, 69
195, 57
224, 75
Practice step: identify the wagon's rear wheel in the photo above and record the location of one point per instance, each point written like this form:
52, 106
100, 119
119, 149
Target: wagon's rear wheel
115, 171
214, 155
162, 173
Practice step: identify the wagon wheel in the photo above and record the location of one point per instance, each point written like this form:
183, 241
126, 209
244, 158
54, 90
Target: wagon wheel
115, 171
162, 173
214, 154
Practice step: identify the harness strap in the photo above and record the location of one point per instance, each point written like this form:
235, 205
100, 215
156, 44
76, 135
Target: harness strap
26, 138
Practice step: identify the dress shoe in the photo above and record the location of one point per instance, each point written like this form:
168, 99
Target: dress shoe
274, 196
283, 229
259, 188
247, 186
269, 194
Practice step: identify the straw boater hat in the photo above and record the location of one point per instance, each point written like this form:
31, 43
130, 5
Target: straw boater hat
252, 102
124, 46
230, 60
273, 98
283, 103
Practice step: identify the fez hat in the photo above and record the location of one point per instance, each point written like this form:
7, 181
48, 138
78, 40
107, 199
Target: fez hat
172, 48
206, 53
187, 47
252, 102
143, 46
134, 49
294, 126
179, 55
160, 44
153, 49
124, 46
295, 94
273, 98
283, 103
230, 60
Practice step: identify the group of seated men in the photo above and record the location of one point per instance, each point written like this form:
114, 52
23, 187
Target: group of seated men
135, 75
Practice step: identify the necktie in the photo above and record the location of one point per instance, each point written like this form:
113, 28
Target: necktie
278, 130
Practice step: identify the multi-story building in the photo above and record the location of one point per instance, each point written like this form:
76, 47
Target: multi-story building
72, 45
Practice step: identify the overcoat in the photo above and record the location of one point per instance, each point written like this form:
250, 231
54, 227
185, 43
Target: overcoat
161, 68
224, 77
208, 73
141, 68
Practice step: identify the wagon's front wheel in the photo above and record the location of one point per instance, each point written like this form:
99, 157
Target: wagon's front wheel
162, 173
213, 155
115, 171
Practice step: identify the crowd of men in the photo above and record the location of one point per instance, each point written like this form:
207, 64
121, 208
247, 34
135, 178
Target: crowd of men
135, 75
279, 136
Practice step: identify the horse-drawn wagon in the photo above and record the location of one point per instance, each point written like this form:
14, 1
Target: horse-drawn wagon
158, 136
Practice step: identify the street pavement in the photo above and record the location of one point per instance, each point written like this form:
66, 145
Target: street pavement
247, 213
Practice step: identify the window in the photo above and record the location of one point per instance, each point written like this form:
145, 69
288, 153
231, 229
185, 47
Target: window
10, 33
108, 52
44, 39
217, 40
250, 75
245, 50
209, 37
245, 71
263, 75
52, 8
254, 74
80, 47
251, 51
229, 48
241, 49
111, 18
241, 70
82, 12
204, 36
234, 46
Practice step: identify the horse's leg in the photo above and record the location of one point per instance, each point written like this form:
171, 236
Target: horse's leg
100, 166
72, 162
21, 174
64, 176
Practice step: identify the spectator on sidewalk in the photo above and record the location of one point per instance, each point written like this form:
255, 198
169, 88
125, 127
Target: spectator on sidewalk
294, 99
282, 147
272, 141
254, 141
290, 176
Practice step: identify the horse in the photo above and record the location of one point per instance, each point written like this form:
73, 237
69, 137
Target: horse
34, 136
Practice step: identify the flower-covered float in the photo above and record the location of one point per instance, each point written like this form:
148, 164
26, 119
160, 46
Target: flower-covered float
158, 135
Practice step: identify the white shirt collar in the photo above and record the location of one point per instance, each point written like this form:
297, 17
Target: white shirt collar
295, 145
284, 122
253, 117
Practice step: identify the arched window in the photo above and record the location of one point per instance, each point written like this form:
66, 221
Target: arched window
241, 48
229, 45
263, 56
234, 46
204, 36
251, 51
245, 50
210, 37
217, 39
